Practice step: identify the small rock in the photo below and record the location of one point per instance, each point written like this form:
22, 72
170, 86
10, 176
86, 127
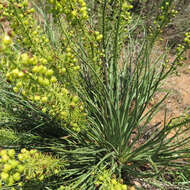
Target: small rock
137, 184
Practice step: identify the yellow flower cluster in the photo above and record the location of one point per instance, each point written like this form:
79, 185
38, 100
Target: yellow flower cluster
178, 120
179, 53
107, 182
27, 165
75, 11
22, 23
39, 72
11, 169
126, 15
73, 19
34, 79
6, 42
181, 49
187, 38
37, 165
70, 187
167, 12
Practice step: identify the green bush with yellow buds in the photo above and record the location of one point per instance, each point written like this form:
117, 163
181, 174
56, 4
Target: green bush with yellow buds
39, 73
167, 11
76, 68
20, 168
75, 11
105, 181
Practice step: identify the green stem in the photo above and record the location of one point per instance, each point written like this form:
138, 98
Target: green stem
103, 42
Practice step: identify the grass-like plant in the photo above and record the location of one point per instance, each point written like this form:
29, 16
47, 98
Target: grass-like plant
79, 80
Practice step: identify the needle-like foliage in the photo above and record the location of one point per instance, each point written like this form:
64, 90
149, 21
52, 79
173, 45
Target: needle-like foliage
87, 102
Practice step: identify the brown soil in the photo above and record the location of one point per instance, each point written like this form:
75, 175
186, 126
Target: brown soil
178, 100
178, 85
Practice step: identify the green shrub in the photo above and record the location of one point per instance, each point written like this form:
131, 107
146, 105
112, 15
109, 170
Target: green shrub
32, 70
80, 80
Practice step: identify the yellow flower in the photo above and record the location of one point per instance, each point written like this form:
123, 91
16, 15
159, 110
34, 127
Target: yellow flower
36, 98
3, 152
41, 177
4, 176
20, 184
36, 69
113, 181
24, 58
11, 181
44, 99
20, 168
14, 163
123, 187
11, 152
16, 176
15, 89
44, 110
7, 167
49, 72
53, 79
4, 158
6, 40
19, 84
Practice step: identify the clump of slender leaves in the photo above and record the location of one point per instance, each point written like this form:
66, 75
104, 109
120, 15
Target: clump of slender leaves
117, 79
